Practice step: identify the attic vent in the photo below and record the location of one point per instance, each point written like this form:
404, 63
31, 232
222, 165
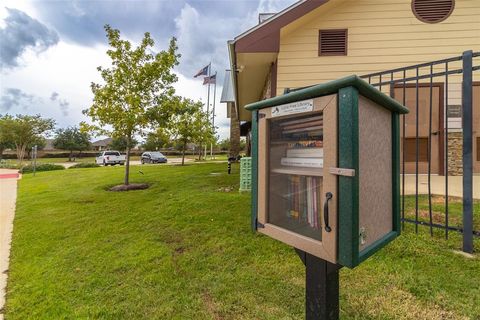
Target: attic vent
333, 42
432, 11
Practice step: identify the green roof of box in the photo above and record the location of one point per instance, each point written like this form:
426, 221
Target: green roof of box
363, 87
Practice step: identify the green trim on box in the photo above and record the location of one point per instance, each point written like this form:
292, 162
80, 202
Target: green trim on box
348, 205
363, 87
396, 172
377, 245
254, 194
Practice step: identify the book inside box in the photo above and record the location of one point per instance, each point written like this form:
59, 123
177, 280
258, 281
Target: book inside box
296, 173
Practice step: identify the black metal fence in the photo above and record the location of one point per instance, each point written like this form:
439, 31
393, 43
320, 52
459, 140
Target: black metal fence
439, 95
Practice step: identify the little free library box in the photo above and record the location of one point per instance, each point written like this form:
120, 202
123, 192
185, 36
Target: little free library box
326, 169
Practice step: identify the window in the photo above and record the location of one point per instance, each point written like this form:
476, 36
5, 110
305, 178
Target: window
432, 11
410, 149
112, 153
332, 42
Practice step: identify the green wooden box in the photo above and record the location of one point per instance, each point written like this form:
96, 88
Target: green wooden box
325, 169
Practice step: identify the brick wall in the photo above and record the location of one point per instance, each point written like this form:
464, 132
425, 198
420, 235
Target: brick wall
455, 144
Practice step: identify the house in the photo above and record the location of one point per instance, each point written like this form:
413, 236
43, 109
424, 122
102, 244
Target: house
49, 145
101, 145
315, 41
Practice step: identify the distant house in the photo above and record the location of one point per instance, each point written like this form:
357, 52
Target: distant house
102, 144
49, 145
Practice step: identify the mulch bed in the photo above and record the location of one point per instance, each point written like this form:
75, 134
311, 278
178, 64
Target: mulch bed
132, 186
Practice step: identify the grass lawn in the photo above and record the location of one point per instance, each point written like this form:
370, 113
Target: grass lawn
183, 249
455, 207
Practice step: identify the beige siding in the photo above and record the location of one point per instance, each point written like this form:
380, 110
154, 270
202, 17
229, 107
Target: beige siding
381, 35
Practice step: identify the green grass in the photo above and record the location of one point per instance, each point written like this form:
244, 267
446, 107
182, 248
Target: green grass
183, 249
455, 207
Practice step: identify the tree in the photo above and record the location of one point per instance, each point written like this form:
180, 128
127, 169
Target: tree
156, 140
72, 139
39, 141
190, 124
121, 143
5, 138
224, 144
24, 130
136, 89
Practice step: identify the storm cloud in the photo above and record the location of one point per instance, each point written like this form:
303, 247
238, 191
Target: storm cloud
202, 27
62, 103
22, 32
14, 97
54, 96
64, 107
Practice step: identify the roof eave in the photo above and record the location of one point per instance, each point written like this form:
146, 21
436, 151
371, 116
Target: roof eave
332, 87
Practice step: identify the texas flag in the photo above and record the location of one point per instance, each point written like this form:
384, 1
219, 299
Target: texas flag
210, 80
202, 72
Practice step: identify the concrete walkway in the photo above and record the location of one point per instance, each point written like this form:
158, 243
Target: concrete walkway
8, 196
455, 187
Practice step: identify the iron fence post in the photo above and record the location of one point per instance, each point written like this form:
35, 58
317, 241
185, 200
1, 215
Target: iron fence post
467, 152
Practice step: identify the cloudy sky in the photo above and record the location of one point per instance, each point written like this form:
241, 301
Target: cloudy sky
49, 50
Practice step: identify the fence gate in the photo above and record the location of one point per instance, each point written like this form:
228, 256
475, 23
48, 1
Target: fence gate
440, 140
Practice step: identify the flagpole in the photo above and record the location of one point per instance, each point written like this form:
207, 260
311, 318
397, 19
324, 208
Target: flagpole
208, 100
213, 116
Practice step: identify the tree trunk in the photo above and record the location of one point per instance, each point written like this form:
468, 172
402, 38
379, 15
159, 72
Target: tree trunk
1, 153
127, 163
21, 153
70, 156
183, 153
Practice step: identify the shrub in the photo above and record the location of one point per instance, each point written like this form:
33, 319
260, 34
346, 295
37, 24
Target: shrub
6, 164
42, 167
84, 165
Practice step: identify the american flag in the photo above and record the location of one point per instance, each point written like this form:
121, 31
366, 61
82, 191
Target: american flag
210, 80
202, 72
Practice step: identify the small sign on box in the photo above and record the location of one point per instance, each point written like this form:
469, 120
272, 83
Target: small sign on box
292, 108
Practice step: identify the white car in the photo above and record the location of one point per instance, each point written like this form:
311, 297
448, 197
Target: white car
110, 158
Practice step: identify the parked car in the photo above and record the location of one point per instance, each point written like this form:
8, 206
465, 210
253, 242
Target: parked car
153, 157
110, 158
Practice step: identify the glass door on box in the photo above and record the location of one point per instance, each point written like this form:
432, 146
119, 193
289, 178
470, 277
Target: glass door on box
296, 173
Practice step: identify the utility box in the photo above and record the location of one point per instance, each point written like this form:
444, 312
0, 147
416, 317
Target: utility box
326, 169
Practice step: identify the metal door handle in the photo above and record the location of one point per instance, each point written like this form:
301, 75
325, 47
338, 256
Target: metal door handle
328, 196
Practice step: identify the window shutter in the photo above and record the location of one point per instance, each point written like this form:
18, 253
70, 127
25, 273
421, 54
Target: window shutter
410, 149
478, 148
432, 11
333, 42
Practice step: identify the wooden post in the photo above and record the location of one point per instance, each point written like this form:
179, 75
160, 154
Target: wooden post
321, 288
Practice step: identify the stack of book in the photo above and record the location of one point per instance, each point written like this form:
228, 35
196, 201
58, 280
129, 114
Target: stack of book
302, 200
310, 156
308, 151
303, 129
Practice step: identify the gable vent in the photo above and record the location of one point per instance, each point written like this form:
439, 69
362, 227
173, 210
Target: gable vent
332, 42
432, 11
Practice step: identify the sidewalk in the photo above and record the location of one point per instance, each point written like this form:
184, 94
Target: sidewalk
455, 187
8, 196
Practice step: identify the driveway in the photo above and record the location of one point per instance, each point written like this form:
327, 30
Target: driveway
8, 197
